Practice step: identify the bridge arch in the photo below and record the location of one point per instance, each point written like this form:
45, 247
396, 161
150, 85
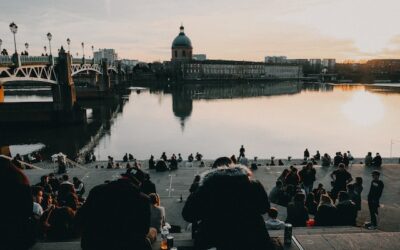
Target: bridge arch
38, 73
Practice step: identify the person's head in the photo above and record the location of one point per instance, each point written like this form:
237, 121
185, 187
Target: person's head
369, 153
37, 194
273, 213
359, 180
196, 178
65, 177
320, 185
375, 175
44, 179
299, 198
309, 165
47, 200
341, 167
154, 199
325, 200
343, 196
222, 162
377, 154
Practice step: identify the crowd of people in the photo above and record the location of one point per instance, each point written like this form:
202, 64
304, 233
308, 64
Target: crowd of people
127, 211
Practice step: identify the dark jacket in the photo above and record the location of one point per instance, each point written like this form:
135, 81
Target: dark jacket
347, 213
230, 207
297, 214
16, 227
375, 191
115, 216
326, 216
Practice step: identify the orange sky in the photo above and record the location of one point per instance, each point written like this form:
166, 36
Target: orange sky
228, 29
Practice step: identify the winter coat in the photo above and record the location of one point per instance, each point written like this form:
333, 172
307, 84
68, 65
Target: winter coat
229, 206
347, 213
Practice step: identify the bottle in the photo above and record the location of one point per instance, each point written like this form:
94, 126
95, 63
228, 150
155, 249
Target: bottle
164, 235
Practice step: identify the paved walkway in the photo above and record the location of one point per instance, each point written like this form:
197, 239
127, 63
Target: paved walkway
171, 185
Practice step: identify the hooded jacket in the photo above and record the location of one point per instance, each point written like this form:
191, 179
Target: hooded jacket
228, 206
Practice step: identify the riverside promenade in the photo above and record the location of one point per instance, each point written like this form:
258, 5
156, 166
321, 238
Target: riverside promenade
171, 185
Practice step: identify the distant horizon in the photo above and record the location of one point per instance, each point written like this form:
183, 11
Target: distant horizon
229, 30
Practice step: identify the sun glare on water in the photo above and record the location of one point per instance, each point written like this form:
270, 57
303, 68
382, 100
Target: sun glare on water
364, 109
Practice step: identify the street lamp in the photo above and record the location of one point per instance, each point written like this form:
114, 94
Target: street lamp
26, 47
49, 36
15, 58
83, 49
45, 50
1, 42
68, 42
93, 54
14, 29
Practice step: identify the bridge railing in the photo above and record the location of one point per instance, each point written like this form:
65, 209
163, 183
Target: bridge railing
5, 60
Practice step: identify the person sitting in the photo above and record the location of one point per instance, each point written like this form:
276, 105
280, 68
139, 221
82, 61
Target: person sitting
368, 160
67, 194
297, 213
202, 165
311, 204
222, 162
37, 195
337, 159
326, 160
326, 212
130, 157
292, 177
280, 163
161, 166
116, 215
346, 209
157, 213
198, 156
272, 163
180, 158
16, 224
173, 163
223, 195
190, 158
317, 156
152, 163
273, 222
377, 161
164, 157
79, 186
276, 192
320, 190
125, 158
44, 183
60, 224
148, 186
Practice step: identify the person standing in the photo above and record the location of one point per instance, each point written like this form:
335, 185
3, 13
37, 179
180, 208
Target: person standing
341, 177
307, 177
374, 196
306, 154
241, 151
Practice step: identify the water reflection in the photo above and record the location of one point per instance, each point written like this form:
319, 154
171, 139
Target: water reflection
271, 119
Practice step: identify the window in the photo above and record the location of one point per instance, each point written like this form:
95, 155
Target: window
176, 54
183, 53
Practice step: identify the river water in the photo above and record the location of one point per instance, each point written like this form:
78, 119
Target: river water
276, 119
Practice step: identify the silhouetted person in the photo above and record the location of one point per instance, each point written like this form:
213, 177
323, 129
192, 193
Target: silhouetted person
241, 151
341, 177
152, 164
307, 177
306, 154
346, 209
164, 156
230, 206
15, 226
368, 160
374, 195
125, 158
116, 215
297, 213
198, 156
190, 158
337, 159
326, 212
377, 161
317, 156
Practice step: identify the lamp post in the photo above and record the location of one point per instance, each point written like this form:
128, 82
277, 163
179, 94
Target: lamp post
93, 54
68, 42
26, 47
1, 42
49, 36
15, 57
45, 50
83, 52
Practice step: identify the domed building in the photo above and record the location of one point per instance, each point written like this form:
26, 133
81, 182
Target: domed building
181, 47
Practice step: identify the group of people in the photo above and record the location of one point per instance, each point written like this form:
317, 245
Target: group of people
339, 206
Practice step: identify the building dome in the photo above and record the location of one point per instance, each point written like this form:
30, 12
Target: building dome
182, 41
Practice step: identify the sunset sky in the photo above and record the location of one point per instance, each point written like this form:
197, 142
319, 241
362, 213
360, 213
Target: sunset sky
222, 29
